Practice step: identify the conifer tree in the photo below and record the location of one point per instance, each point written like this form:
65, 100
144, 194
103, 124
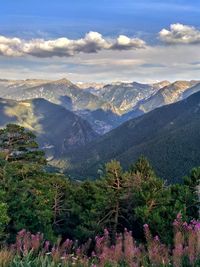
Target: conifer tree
18, 144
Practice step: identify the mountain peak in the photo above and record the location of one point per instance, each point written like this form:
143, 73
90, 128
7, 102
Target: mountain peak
64, 81
161, 84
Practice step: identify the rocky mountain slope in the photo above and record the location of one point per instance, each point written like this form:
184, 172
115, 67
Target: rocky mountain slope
64, 93
105, 107
125, 96
167, 95
61, 92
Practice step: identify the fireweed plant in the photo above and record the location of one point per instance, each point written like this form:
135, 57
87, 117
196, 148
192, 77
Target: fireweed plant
34, 250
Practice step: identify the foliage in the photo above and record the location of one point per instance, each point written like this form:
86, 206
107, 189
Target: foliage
4, 218
192, 184
33, 250
38, 201
18, 144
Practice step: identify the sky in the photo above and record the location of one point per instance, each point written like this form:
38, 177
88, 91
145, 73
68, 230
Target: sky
102, 41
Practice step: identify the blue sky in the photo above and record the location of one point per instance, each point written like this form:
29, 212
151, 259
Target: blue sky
142, 19
75, 17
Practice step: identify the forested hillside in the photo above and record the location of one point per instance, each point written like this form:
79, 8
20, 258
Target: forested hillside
168, 137
134, 202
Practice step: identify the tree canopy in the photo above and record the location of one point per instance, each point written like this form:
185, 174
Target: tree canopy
51, 203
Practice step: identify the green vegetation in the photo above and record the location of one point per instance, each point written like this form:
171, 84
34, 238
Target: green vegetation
33, 251
38, 201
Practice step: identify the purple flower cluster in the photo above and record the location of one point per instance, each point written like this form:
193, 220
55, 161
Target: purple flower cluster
26, 242
125, 249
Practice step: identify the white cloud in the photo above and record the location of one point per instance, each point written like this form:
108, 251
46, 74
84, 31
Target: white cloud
64, 47
10, 46
180, 34
125, 43
96, 58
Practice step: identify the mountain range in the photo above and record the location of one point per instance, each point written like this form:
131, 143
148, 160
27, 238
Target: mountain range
64, 93
83, 125
105, 107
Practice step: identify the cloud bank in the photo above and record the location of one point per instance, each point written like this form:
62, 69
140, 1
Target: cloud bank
64, 47
95, 57
180, 34
93, 42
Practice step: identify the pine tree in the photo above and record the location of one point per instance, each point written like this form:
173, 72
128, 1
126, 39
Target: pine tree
114, 188
18, 144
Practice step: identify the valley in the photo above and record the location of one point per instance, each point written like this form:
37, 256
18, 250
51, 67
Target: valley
82, 126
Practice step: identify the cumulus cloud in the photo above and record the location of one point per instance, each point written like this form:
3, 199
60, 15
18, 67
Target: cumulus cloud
64, 47
180, 34
10, 46
125, 43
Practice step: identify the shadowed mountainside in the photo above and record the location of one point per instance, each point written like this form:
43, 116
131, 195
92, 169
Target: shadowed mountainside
169, 136
57, 129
